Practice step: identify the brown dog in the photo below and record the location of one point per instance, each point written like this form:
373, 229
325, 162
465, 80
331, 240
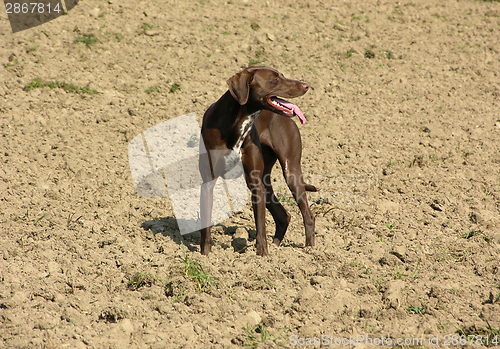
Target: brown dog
249, 122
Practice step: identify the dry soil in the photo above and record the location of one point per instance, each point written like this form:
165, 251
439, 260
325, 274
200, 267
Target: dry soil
402, 138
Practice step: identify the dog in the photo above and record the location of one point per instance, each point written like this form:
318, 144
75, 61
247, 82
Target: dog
251, 123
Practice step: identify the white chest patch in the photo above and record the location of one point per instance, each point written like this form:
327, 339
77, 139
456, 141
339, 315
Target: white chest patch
235, 156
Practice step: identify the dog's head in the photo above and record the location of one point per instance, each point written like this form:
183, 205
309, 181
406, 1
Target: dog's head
261, 87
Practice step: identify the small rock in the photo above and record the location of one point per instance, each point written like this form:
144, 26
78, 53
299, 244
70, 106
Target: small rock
241, 233
217, 229
251, 318
239, 244
435, 205
152, 32
94, 12
390, 259
393, 295
388, 206
127, 326
307, 296
340, 27
343, 299
113, 314
316, 280
491, 312
399, 252
186, 330
482, 217
270, 37
46, 322
53, 267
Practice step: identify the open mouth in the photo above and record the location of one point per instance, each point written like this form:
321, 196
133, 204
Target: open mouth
286, 108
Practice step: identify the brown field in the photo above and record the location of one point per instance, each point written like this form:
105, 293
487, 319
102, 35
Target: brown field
402, 138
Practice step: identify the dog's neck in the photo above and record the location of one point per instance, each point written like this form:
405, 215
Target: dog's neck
245, 128
234, 121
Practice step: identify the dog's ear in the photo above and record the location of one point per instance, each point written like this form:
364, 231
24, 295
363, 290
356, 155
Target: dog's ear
239, 86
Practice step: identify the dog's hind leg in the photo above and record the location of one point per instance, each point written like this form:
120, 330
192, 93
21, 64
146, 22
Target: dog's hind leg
280, 216
295, 181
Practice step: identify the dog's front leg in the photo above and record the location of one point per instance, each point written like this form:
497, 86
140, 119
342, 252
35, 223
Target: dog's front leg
206, 204
256, 187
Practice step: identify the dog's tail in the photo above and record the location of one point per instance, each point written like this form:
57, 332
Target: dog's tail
310, 187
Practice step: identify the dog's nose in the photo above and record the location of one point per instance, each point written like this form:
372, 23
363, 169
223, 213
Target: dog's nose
305, 86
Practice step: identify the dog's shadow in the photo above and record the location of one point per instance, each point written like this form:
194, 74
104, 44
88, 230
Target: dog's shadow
169, 227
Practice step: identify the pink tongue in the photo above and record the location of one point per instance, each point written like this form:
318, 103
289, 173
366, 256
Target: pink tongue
295, 109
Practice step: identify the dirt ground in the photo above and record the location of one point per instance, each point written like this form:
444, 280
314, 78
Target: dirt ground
402, 138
